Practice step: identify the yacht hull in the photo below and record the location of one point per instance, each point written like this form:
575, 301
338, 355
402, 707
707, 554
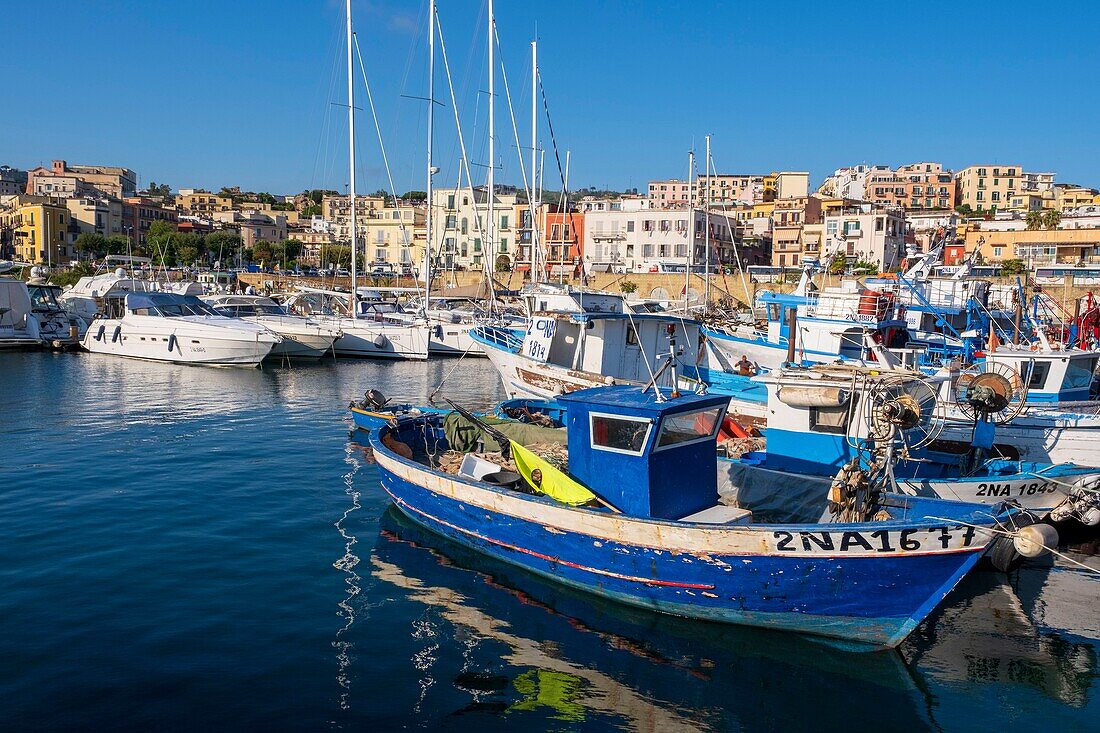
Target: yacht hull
366, 339
117, 338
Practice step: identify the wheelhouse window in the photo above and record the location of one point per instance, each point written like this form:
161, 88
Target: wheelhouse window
688, 427
829, 419
1079, 373
1036, 374
619, 434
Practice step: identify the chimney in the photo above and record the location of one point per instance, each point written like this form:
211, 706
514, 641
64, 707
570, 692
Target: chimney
59, 166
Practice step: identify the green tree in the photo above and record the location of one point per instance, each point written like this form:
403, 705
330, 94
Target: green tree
89, 243
628, 286
70, 276
964, 210
337, 255
1013, 267
118, 244
312, 210
1051, 219
263, 252
380, 193
223, 245
159, 241
188, 248
838, 265
503, 263
292, 249
265, 198
1034, 220
155, 189
414, 196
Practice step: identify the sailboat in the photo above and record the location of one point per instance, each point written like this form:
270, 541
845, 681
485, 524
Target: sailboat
379, 337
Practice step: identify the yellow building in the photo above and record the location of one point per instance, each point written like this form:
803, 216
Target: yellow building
40, 230
1073, 197
988, 187
1036, 247
197, 203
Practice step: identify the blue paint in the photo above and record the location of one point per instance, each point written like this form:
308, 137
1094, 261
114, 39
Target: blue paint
669, 482
872, 600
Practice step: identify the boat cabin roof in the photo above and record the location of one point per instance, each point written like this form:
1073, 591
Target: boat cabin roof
633, 400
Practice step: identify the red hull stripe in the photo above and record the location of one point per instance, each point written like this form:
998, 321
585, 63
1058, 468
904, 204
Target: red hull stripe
548, 558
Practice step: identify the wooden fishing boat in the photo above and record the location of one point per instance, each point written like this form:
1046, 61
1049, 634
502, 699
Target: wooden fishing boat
637, 518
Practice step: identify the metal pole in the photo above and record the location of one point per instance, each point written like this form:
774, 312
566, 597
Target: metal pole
691, 226
351, 166
431, 171
534, 204
490, 198
706, 234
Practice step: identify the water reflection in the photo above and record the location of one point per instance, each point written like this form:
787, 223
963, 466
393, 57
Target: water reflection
571, 657
984, 636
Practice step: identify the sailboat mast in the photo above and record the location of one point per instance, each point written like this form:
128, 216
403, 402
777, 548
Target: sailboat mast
706, 233
431, 170
490, 197
691, 225
534, 160
351, 167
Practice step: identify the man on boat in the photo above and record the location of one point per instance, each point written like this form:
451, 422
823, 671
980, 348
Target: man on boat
745, 367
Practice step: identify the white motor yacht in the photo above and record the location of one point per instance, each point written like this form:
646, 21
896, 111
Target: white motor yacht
303, 336
86, 298
18, 323
380, 331
176, 328
58, 328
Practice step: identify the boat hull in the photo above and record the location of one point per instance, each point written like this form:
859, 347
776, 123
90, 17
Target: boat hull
752, 576
153, 345
364, 339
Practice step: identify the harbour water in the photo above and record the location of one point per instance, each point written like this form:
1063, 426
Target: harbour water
189, 548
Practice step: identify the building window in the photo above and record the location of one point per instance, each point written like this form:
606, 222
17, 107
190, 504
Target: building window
630, 226
464, 224
997, 251
451, 201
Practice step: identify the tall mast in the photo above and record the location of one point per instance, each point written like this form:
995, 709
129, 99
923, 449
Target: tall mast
351, 167
490, 197
706, 233
534, 160
431, 170
691, 225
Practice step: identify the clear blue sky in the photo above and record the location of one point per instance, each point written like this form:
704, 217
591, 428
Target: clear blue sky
240, 92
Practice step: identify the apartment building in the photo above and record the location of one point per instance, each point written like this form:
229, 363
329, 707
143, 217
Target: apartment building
108, 180
256, 227
196, 202
41, 229
788, 219
1036, 247
139, 213
460, 229
867, 233
643, 239
96, 215
1068, 197
670, 194
997, 187
913, 186
12, 181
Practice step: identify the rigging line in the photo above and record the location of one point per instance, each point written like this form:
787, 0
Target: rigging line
736, 253
488, 246
991, 530
324, 123
550, 129
382, 146
529, 189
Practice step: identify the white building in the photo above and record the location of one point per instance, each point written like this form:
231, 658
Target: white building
868, 234
460, 229
641, 239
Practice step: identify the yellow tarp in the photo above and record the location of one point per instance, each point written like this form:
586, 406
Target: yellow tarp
555, 484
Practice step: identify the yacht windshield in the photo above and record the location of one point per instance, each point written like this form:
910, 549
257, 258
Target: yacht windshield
186, 308
43, 298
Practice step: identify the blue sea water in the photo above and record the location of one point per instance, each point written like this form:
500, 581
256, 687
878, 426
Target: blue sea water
208, 549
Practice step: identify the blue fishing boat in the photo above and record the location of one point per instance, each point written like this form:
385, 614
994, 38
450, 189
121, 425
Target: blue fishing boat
636, 517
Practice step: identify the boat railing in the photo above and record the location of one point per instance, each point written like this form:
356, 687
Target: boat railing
870, 306
500, 336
